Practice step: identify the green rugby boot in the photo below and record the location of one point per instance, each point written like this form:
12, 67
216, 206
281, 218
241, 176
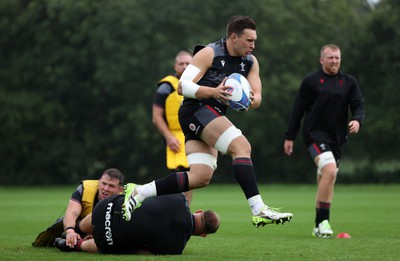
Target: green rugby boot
323, 230
131, 201
270, 215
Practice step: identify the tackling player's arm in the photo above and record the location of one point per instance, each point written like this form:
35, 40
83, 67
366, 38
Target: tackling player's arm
71, 215
188, 86
255, 82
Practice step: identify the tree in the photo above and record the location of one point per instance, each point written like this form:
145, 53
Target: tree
77, 80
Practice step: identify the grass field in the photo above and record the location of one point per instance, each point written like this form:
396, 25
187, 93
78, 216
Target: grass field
369, 213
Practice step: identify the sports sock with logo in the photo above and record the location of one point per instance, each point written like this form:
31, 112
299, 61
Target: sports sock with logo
322, 212
173, 183
244, 175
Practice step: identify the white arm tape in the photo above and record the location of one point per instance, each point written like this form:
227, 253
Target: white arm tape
190, 73
189, 88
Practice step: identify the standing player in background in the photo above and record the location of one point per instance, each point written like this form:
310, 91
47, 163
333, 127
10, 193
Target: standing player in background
325, 97
165, 117
207, 129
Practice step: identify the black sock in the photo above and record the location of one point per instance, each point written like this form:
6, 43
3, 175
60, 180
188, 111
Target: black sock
244, 174
322, 212
173, 183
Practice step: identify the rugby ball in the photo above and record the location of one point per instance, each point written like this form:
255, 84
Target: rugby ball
240, 90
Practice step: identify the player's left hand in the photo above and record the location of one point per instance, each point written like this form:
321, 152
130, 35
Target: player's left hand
354, 126
72, 239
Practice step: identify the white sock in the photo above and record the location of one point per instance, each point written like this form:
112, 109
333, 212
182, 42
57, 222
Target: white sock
256, 204
147, 190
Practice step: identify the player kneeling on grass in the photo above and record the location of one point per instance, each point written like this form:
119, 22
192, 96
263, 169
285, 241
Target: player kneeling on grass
162, 225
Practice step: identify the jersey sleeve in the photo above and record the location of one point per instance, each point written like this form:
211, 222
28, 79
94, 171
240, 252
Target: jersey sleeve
357, 104
298, 111
77, 195
163, 91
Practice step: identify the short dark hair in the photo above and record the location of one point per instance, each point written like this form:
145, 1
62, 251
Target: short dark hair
238, 23
211, 221
115, 174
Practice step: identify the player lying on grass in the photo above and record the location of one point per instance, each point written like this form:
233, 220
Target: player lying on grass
162, 225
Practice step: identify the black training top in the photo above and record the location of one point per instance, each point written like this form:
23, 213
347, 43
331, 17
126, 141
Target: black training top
325, 100
161, 225
223, 65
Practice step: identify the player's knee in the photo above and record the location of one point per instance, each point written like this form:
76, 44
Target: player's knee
329, 173
240, 147
199, 176
204, 181
202, 166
